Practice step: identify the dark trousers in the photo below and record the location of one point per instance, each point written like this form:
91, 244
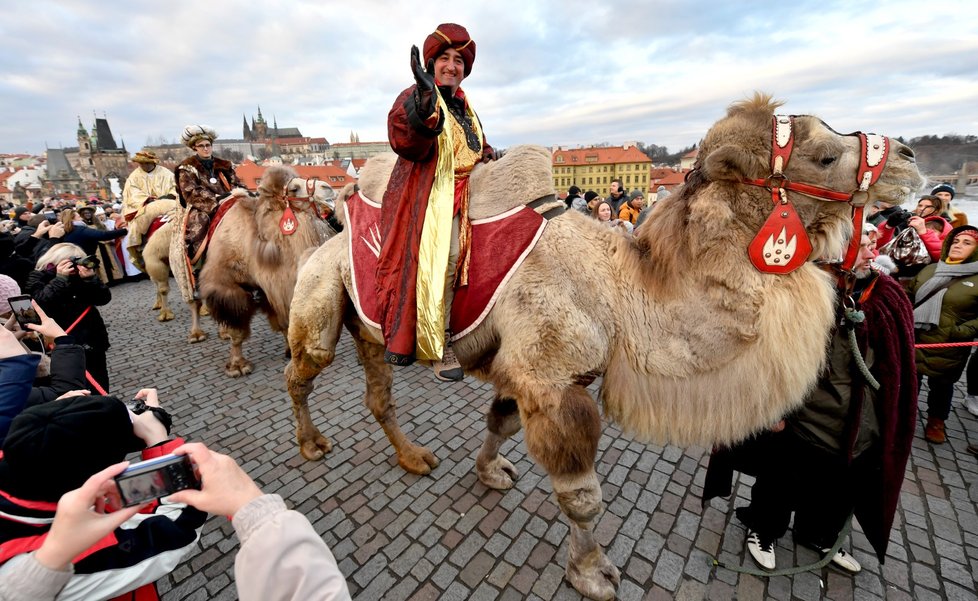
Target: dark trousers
817, 486
939, 396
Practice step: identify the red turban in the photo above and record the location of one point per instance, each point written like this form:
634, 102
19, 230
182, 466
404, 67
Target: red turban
450, 35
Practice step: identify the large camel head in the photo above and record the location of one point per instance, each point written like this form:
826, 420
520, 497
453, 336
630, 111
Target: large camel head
739, 147
280, 191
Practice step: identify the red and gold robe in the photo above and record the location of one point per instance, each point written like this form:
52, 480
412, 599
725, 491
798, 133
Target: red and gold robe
415, 225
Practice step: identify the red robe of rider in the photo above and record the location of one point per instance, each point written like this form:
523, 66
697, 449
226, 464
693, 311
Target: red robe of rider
438, 139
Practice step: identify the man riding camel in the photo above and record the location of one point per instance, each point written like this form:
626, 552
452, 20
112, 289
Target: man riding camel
143, 186
424, 219
203, 182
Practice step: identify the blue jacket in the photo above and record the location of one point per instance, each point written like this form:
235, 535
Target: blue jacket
16, 379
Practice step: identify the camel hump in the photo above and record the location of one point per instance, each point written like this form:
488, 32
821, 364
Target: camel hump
522, 175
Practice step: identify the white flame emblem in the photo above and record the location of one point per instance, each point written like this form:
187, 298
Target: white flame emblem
288, 226
780, 251
374, 243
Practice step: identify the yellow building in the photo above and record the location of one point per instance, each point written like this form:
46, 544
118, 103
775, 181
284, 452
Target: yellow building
595, 169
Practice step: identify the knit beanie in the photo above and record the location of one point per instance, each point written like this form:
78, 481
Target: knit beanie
590, 195
635, 194
56, 446
8, 288
943, 188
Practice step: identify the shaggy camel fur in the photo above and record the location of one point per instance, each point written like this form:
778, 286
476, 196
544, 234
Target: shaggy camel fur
251, 264
696, 346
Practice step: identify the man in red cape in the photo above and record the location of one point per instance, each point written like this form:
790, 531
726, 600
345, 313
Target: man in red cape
424, 220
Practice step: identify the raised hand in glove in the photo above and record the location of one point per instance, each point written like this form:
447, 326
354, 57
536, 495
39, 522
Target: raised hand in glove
898, 218
425, 78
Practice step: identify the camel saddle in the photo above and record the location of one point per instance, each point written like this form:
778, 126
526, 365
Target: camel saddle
499, 246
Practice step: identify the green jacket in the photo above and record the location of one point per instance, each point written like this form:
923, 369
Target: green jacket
958, 323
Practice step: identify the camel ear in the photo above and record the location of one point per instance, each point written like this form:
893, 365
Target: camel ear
730, 162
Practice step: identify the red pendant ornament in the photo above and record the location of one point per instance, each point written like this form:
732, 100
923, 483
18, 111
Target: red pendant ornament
781, 246
288, 224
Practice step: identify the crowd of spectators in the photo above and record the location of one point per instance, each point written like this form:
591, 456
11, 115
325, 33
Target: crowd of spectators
65, 533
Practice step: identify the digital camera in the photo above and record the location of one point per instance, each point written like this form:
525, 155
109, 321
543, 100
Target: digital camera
155, 478
91, 262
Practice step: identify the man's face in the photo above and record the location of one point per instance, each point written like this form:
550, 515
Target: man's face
147, 167
944, 196
450, 69
865, 255
614, 188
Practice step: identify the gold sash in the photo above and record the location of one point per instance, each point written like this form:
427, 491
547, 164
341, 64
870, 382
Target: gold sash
436, 235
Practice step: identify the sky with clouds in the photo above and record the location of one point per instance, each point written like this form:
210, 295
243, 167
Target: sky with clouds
547, 72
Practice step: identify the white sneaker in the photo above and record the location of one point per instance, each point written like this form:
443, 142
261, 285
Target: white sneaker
761, 551
971, 404
845, 561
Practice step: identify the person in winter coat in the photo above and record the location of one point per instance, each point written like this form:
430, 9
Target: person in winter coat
630, 210
84, 235
53, 448
945, 296
926, 220
69, 292
845, 450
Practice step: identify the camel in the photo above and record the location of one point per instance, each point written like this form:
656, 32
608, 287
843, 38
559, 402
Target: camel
695, 344
255, 253
164, 250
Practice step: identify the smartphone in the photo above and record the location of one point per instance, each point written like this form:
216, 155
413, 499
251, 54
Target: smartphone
24, 310
155, 478
51, 216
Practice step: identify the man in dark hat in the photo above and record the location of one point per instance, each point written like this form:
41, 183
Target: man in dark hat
438, 138
53, 448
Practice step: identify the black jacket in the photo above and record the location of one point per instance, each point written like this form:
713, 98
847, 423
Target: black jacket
64, 300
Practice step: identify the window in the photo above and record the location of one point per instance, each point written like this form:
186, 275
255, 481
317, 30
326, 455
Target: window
628, 179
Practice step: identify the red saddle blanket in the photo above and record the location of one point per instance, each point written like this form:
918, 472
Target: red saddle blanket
499, 246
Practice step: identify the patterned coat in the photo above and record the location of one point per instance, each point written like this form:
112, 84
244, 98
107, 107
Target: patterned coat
200, 189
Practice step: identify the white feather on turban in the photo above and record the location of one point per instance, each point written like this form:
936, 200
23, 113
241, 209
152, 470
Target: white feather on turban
195, 133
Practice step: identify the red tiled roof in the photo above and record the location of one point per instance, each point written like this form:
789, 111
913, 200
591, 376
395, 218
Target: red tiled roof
600, 156
672, 180
297, 141
4, 189
660, 172
250, 174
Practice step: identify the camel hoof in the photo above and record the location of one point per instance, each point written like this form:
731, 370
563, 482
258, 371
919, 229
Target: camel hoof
197, 336
313, 450
165, 315
417, 460
594, 576
497, 474
204, 311
238, 368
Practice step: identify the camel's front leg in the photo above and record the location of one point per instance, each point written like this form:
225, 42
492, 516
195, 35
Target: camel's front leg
562, 432
413, 458
502, 421
237, 364
300, 377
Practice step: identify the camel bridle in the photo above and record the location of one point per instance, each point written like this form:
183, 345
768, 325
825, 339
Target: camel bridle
289, 224
782, 245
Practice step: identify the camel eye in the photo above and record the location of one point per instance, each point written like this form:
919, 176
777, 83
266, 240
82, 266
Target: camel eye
827, 161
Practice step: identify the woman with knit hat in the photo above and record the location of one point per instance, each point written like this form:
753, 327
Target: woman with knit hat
946, 310
203, 181
438, 139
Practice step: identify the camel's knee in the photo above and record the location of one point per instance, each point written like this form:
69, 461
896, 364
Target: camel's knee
563, 435
503, 417
300, 376
579, 497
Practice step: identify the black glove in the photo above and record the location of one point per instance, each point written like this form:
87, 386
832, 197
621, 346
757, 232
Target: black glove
898, 218
425, 78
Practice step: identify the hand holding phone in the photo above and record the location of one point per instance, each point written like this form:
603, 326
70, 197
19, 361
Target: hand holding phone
156, 478
24, 310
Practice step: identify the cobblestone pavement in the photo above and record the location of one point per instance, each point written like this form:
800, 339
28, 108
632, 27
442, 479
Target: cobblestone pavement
446, 536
